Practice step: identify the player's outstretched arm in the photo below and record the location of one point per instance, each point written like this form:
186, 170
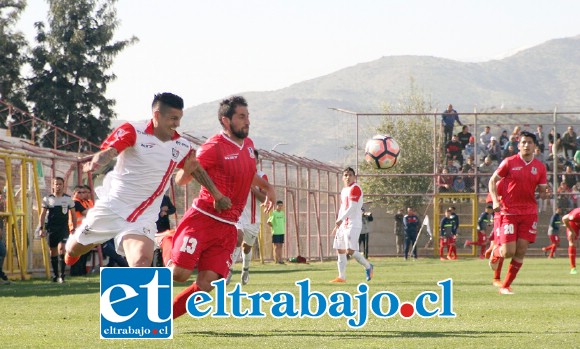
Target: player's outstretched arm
100, 159
270, 199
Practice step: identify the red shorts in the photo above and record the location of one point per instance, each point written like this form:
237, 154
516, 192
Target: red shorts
515, 227
496, 227
204, 242
576, 228
555, 239
481, 236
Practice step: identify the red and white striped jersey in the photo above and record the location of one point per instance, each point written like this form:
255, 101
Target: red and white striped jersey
135, 187
252, 213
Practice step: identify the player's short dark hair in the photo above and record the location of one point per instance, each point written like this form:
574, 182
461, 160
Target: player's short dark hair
530, 135
228, 106
349, 169
279, 202
167, 99
59, 179
489, 206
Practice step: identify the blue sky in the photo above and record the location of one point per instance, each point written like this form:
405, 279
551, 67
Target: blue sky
206, 50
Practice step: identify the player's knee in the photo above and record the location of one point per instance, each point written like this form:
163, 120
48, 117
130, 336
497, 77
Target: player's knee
204, 285
181, 275
139, 262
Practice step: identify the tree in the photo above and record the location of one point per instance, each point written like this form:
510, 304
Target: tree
70, 66
13, 47
415, 137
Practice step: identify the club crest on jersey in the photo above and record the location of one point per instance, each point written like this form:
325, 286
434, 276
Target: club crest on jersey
251, 150
534, 170
174, 153
119, 133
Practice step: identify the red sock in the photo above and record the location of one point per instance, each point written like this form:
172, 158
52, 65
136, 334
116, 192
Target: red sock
454, 251
572, 255
512, 273
441, 251
180, 301
166, 246
552, 250
497, 272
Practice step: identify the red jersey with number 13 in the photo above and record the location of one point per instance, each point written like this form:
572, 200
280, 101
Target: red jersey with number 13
521, 179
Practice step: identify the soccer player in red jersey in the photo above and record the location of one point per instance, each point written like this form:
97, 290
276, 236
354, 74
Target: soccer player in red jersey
522, 174
572, 222
206, 236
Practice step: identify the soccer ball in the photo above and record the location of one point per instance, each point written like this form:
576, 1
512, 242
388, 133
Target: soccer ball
382, 151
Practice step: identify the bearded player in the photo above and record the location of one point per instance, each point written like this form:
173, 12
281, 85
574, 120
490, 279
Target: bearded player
206, 236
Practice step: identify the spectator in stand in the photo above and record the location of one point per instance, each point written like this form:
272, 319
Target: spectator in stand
516, 134
451, 168
486, 169
471, 149
510, 151
448, 119
503, 139
464, 136
445, 181
551, 141
565, 196
468, 169
453, 149
513, 143
540, 136
569, 177
485, 139
538, 154
494, 150
458, 185
569, 142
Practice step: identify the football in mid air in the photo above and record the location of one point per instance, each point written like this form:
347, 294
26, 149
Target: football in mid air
382, 151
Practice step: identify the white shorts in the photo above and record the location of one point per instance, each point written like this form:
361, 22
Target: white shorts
346, 238
101, 224
250, 231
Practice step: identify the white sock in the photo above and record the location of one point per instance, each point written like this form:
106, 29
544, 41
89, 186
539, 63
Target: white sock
246, 258
361, 259
236, 255
342, 266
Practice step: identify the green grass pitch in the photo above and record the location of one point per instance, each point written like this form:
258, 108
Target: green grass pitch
544, 312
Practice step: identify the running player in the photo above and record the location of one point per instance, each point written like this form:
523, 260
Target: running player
522, 174
483, 223
206, 235
572, 222
129, 200
349, 225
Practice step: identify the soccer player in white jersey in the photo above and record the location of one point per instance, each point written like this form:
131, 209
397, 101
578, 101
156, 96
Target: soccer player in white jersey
249, 227
349, 225
128, 202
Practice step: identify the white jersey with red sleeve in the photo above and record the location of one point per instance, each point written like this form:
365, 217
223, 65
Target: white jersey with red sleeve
135, 187
232, 168
252, 213
351, 202
520, 182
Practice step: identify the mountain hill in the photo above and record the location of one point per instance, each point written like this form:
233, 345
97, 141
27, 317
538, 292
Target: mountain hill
540, 78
